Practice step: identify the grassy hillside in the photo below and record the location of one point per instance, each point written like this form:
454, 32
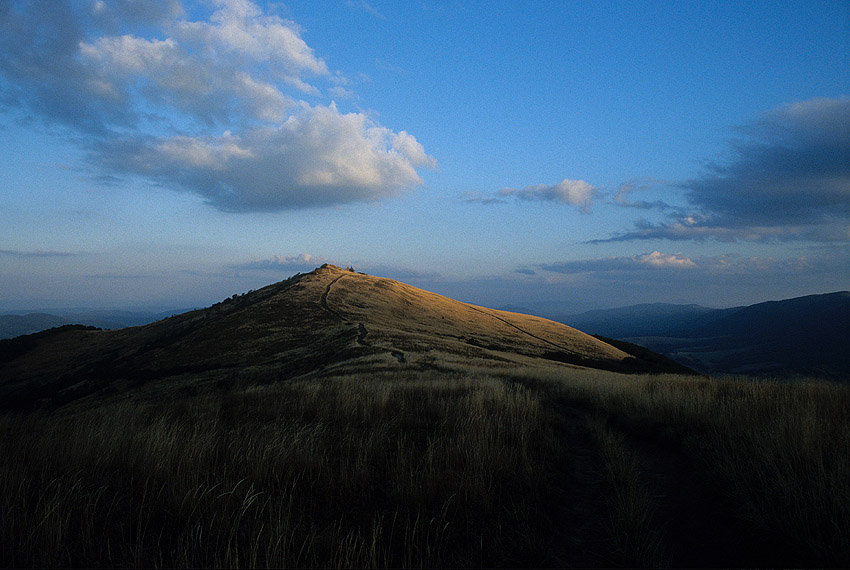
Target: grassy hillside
12, 325
565, 467
319, 321
337, 419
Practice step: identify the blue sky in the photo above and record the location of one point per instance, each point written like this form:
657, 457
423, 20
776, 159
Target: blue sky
552, 156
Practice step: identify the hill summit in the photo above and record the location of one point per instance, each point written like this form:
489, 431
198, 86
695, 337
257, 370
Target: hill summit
327, 322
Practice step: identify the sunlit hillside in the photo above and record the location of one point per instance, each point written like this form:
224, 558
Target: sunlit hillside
342, 420
317, 323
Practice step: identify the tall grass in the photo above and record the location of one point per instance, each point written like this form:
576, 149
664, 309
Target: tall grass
778, 453
351, 472
635, 538
441, 468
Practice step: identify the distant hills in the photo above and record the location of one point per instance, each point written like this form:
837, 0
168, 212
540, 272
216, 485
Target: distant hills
277, 327
16, 324
327, 321
806, 335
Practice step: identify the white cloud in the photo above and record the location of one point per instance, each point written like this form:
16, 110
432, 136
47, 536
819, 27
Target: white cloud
658, 259
240, 30
207, 105
341, 92
203, 154
303, 262
406, 144
163, 72
366, 7
317, 158
573, 192
654, 260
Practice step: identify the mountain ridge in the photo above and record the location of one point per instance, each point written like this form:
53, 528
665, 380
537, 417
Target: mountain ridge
805, 335
19, 323
316, 323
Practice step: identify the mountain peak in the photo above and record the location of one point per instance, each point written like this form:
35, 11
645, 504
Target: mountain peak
328, 321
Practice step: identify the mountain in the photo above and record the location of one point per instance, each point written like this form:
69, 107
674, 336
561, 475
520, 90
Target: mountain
326, 321
654, 319
805, 335
16, 324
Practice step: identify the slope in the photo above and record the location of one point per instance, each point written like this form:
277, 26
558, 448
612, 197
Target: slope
804, 335
329, 321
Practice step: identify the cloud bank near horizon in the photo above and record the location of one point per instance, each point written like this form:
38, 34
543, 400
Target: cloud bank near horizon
640, 262
230, 107
301, 263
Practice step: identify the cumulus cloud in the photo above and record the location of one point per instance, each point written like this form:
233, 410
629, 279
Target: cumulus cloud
240, 30
640, 262
212, 105
789, 180
572, 192
303, 262
320, 158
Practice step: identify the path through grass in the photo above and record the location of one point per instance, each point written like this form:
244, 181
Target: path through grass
465, 468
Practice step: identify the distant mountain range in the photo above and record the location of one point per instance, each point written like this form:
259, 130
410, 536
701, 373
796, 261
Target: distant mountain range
16, 324
806, 335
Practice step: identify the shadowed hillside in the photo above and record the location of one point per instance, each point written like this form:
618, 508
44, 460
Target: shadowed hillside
12, 325
342, 420
805, 335
322, 322
16, 325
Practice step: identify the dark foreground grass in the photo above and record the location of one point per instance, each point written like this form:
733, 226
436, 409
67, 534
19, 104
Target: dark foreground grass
431, 469
775, 454
335, 472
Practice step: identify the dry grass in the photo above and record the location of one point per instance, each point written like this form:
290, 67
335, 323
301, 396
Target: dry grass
339, 472
453, 467
412, 319
778, 453
636, 540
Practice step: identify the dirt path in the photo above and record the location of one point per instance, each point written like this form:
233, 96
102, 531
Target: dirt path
362, 332
694, 524
582, 538
522, 330
323, 300
361, 335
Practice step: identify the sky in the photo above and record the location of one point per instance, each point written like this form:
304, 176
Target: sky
546, 156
